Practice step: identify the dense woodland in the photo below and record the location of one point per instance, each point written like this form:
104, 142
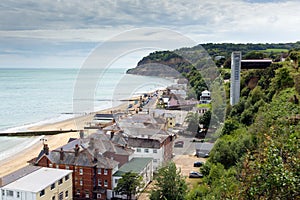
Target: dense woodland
257, 154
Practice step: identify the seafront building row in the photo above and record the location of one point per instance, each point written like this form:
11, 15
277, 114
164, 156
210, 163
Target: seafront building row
139, 140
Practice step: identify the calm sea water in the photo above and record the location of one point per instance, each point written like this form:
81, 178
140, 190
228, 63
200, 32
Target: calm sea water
38, 96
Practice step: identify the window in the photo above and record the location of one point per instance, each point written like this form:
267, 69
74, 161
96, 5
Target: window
67, 177
81, 182
98, 196
105, 183
50, 165
138, 150
53, 198
80, 171
67, 193
87, 195
3, 193
61, 196
78, 192
116, 181
105, 171
60, 181
99, 182
99, 171
155, 160
42, 193
52, 186
67, 167
9, 193
154, 150
146, 150
18, 194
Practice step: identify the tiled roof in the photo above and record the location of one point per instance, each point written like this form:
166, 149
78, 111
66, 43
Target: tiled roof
135, 165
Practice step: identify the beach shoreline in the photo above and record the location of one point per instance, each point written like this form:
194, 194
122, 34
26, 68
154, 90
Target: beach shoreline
21, 158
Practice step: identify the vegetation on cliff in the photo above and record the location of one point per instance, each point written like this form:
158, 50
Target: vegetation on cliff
257, 153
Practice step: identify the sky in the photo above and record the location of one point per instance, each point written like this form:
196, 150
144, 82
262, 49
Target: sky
63, 33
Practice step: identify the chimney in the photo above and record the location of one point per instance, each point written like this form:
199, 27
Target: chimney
96, 152
61, 154
46, 149
81, 134
76, 149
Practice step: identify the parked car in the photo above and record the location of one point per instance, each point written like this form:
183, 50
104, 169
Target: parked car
195, 175
179, 144
202, 155
198, 164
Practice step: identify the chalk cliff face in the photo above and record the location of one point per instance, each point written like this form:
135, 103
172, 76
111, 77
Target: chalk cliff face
162, 64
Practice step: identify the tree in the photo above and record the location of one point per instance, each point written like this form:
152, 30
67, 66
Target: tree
205, 119
193, 122
129, 184
169, 184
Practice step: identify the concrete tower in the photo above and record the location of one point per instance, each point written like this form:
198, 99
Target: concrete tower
236, 57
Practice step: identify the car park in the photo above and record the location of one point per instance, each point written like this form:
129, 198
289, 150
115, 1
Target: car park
194, 174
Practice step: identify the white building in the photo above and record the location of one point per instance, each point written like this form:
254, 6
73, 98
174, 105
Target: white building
151, 143
41, 184
205, 97
140, 166
236, 57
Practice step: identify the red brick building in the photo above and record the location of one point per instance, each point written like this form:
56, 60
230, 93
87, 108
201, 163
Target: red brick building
93, 160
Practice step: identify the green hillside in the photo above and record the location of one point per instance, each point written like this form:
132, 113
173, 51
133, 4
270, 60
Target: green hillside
257, 154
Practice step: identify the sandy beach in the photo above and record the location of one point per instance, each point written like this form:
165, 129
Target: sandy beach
54, 141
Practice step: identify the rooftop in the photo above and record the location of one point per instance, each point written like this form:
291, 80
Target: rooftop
38, 180
18, 174
135, 165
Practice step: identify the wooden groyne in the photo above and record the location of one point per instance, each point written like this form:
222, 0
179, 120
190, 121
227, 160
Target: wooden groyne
37, 133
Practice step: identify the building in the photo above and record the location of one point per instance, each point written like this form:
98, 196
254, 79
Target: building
93, 161
205, 97
236, 57
140, 166
151, 143
170, 118
41, 184
255, 63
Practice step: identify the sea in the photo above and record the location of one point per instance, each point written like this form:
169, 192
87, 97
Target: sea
32, 97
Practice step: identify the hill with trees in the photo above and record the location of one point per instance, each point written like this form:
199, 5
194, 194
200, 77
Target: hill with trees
257, 154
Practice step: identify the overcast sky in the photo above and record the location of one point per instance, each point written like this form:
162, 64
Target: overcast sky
49, 33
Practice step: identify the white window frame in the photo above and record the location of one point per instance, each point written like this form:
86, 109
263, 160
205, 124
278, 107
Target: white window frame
105, 171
